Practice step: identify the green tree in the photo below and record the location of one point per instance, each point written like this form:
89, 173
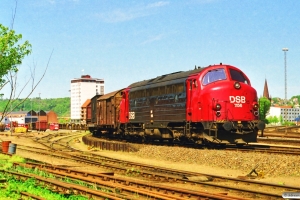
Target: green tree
295, 100
264, 107
275, 100
273, 119
12, 52
281, 119
270, 119
61, 106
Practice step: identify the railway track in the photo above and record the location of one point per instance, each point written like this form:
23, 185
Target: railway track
117, 188
279, 141
59, 141
266, 148
235, 187
181, 178
282, 131
123, 188
62, 187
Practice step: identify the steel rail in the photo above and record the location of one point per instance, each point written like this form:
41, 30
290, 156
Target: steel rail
64, 187
132, 186
86, 158
159, 173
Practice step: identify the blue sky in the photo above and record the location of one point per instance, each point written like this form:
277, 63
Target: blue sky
127, 41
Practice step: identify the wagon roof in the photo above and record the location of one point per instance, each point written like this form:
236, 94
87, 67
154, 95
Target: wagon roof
108, 95
166, 77
86, 103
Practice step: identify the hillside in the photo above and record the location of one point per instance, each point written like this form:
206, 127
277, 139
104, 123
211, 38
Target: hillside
61, 106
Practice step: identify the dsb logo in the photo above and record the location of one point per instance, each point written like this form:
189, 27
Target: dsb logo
237, 99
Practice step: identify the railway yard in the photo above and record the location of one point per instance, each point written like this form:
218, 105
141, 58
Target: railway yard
78, 164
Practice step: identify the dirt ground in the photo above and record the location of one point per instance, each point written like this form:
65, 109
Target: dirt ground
134, 157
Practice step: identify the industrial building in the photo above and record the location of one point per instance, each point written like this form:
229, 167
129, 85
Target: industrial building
29, 118
288, 113
82, 89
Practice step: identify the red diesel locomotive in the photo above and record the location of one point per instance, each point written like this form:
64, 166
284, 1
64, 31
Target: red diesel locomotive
214, 104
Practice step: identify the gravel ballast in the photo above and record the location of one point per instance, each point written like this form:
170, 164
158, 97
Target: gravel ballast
268, 164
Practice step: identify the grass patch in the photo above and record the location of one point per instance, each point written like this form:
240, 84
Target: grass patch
6, 162
12, 187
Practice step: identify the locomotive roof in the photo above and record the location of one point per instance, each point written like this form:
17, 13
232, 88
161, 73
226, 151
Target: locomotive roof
167, 77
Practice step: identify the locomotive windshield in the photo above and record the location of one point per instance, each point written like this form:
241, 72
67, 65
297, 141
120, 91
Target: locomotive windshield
238, 76
213, 76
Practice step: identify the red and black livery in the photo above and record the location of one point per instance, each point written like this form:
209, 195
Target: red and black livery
214, 104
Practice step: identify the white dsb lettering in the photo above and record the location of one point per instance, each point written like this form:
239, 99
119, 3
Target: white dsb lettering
237, 99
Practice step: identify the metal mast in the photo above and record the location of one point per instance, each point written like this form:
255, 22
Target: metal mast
285, 85
285, 76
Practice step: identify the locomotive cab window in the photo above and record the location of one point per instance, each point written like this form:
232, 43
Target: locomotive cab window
238, 76
213, 76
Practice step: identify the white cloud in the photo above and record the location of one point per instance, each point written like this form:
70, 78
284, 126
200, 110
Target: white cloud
61, 1
158, 4
120, 15
51, 1
153, 39
203, 1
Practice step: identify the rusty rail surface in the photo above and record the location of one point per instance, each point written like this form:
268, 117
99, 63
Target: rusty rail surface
55, 141
275, 151
129, 187
283, 131
181, 177
30, 196
165, 174
267, 148
63, 187
279, 141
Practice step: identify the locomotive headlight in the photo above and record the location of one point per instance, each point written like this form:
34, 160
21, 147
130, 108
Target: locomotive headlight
255, 106
217, 107
237, 85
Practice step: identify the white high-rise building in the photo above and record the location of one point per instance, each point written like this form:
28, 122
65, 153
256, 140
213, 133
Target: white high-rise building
286, 112
82, 89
